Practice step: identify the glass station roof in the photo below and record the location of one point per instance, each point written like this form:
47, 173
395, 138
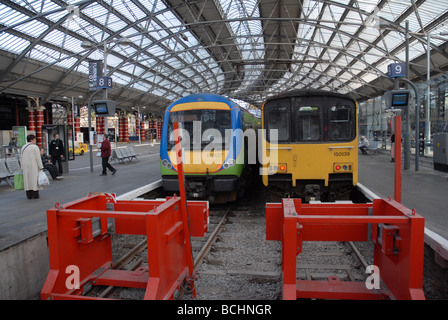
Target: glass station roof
248, 50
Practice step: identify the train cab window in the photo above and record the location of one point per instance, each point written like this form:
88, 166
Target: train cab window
308, 123
277, 118
200, 127
340, 128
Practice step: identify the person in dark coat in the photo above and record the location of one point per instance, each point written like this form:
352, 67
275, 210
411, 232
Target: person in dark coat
52, 169
56, 151
392, 147
12, 145
105, 154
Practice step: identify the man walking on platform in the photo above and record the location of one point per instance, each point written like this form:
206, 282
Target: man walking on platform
105, 154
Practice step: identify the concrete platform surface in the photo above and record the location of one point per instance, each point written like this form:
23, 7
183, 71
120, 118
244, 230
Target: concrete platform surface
424, 190
21, 218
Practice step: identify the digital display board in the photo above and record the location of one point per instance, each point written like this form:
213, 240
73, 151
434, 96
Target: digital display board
400, 99
104, 108
397, 99
101, 108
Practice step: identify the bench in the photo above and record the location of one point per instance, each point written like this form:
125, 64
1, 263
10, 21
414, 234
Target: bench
372, 148
5, 174
13, 166
132, 153
124, 154
118, 156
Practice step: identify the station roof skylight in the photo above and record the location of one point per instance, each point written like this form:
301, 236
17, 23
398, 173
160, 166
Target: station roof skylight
247, 50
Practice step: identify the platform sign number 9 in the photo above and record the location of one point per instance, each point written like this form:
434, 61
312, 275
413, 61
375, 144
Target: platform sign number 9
395, 70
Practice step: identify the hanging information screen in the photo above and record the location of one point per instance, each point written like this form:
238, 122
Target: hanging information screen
104, 108
397, 99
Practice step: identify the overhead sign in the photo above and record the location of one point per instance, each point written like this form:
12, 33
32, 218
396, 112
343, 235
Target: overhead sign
95, 71
396, 70
104, 82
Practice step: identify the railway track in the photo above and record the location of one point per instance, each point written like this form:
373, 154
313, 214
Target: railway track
242, 265
235, 262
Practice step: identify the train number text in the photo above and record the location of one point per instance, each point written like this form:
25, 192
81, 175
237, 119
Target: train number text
342, 154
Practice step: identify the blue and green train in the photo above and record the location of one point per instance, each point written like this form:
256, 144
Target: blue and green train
215, 147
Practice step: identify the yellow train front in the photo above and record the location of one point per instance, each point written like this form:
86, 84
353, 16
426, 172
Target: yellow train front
310, 146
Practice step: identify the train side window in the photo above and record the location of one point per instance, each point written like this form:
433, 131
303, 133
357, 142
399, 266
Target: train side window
278, 119
340, 124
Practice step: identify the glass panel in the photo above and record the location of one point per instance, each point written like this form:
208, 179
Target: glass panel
340, 125
308, 123
277, 117
201, 127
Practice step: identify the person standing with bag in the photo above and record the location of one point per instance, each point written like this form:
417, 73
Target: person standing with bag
31, 164
105, 154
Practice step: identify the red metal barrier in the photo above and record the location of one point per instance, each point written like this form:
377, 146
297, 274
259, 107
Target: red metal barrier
79, 240
397, 233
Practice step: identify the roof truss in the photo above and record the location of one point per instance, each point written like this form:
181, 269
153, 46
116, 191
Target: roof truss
249, 50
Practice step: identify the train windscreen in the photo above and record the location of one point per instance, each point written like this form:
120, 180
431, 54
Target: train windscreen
277, 117
201, 128
311, 119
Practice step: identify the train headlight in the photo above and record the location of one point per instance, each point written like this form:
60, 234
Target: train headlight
343, 167
278, 167
229, 163
166, 164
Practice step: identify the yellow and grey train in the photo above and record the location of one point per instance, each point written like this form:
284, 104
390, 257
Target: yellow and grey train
310, 145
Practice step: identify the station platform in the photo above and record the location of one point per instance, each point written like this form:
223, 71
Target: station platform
20, 218
423, 190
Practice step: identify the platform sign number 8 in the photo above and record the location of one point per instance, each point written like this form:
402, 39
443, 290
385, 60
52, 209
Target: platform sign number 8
104, 83
395, 70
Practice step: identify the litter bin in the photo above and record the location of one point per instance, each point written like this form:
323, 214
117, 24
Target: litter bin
440, 151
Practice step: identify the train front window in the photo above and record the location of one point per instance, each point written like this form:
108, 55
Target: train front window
340, 128
308, 123
278, 118
200, 127
311, 119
